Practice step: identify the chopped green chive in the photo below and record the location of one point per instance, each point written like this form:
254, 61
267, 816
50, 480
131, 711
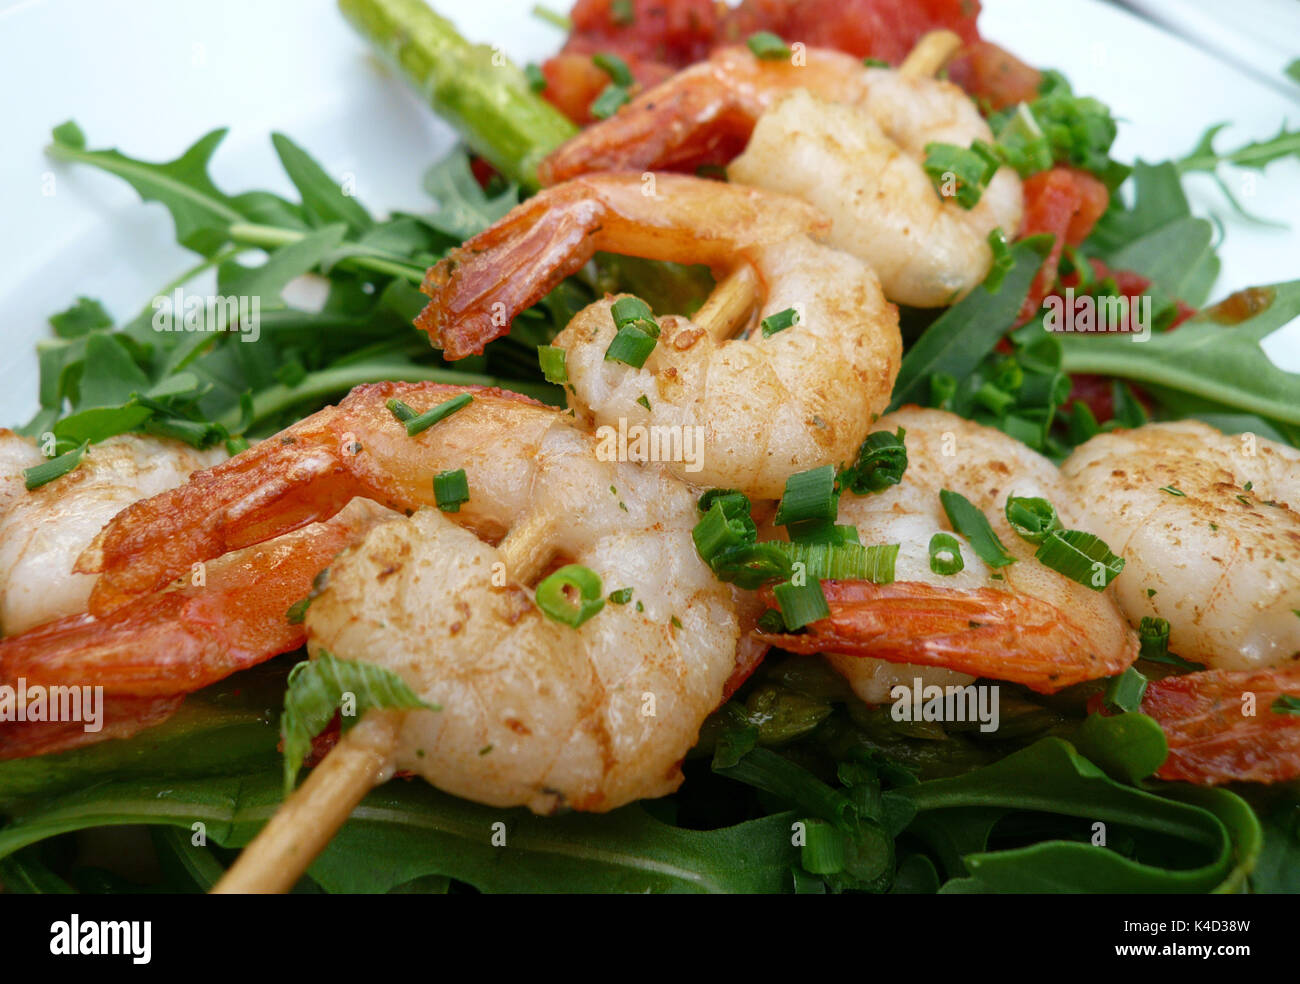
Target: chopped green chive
882, 460
417, 423
622, 12
974, 526
450, 489
801, 604
554, 18
960, 173
48, 471
621, 597
1124, 692
555, 595
1153, 637
1002, 261
615, 67
634, 312
1031, 518
298, 611
945, 554
1173, 491
644, 401
610, 100
779, 322
1081, 557
823, 848
765, 44
676, 622
536, 80
631, 346
554, 363
1285, 704
875, 63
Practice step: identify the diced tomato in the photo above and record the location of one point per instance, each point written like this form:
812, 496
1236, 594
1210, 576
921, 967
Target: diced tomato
994, 76
1066, 203
673, 32
886, 29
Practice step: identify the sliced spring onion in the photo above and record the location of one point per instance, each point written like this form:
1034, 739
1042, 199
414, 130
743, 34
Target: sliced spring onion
615, 67
450, 489
751, 566
875, 63
1032, 518
622, 12
644, 401
779, 322
634, 312
554, 363
719, 531
809, 495
771, 621
1173, 491
974, 526
844, 561
823, 849
421, 423
298, 611
1081, 557
882, 460
631, 346
1125, 692
610, 100
801, 604
945, 554
621, 597
765, 44
554, 595
48, 471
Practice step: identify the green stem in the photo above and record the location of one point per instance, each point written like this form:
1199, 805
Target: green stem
475, 88
338, 379
353, 255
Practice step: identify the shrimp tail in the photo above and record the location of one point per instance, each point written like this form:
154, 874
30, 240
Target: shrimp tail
985, 631
120, 717
303, 475
479, 289
181, 640
1211, 734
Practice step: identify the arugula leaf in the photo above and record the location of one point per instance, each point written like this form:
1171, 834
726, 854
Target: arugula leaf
464, 209
1256, 154
966, 332
318, 686
1178, 258
1222, 363
323, 199
202, 213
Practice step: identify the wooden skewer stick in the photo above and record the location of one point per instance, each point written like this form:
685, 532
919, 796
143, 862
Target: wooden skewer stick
930, 54
730, 304
284, 849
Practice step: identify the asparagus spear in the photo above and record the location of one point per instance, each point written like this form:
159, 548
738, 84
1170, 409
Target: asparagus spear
478, 91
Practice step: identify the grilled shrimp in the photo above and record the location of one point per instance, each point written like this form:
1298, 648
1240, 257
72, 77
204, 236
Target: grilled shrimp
1023, 622
764, 406
42, 531
534, 712
844, 137
311, 470
1208, 523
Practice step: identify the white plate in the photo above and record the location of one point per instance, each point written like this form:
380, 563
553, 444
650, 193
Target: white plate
149, 76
